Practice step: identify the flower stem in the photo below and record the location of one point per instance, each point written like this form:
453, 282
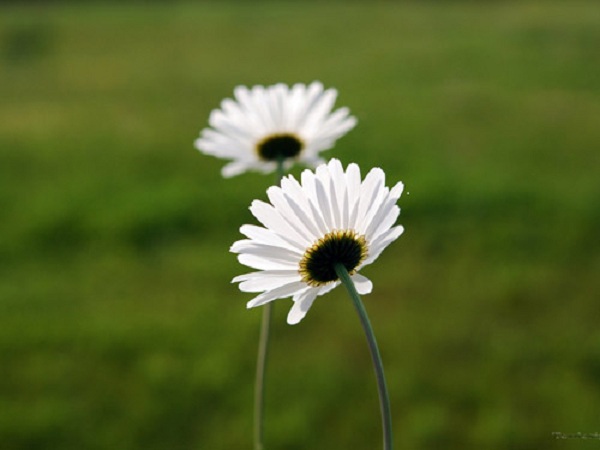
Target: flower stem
384, 401
261, 367
263, 355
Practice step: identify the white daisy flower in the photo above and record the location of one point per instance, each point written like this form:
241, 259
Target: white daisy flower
329, 217
264, 124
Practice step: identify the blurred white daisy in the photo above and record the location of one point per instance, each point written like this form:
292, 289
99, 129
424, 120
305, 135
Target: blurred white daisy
329, 217
265, 124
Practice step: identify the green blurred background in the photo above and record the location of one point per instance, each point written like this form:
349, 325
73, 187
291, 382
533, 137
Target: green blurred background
119, 328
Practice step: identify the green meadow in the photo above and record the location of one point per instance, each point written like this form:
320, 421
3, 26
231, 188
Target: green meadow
119, 328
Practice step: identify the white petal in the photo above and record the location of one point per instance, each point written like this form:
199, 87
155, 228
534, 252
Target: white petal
382, 211
245, 97
328, 288
264, 273
261, 263
385, 222
382, 242
334, 126
369, 191
305, 217
234, 168
250, 247
397, 190
318, 112
277, 96
322, 185
261, 105
353, 183
337, 191
362, 284
223, 146
271, 219
376, 204
301, 306
312, 94
269, 237
279, 201
309, 187
293, 103
235, 113
292, 188
387, 213
221, 122
266, 281
287, 290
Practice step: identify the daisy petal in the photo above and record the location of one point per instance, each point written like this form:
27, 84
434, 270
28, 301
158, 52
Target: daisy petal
386, 215
382, 242
234, 168
266, 236
279, 201
328, 287
249, 247
310, 190
264, 273
337, 190
268, 282
287, 290
362, 284
369, 191
301, 306
260, 263
271, 218
322, 184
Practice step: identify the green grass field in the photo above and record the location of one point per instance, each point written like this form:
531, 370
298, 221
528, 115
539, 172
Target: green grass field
119, 328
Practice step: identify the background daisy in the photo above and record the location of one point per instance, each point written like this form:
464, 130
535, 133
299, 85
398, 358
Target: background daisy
264, 125
329, 217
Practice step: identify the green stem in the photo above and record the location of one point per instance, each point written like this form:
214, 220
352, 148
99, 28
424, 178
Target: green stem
263, 355
261, 367
384, 400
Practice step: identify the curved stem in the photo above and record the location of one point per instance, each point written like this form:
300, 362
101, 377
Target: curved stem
262, 358
384, 400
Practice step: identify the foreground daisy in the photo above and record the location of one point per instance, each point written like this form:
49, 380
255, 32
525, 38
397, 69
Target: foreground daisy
327, 219
267, 125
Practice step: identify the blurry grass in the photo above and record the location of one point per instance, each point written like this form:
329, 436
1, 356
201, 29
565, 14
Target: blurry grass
118, 326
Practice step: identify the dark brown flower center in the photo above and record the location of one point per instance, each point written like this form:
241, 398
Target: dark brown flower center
339, 246
279, 146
